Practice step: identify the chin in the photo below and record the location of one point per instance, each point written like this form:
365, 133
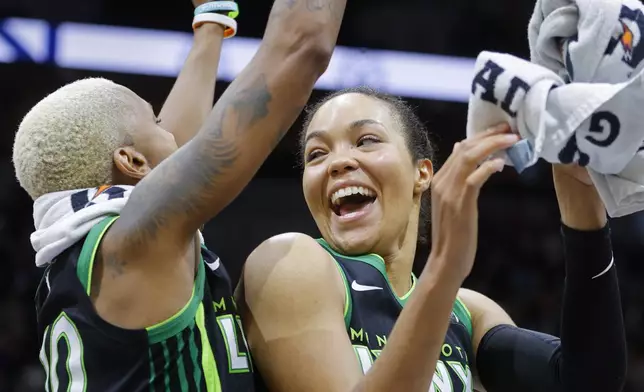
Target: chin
355, 242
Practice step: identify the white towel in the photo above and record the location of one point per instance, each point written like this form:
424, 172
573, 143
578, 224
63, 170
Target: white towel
602, 43
602, 39
64, 218
562, 123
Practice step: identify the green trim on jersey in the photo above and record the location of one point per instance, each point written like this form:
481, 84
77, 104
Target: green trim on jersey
85, 263
460, 310
463, 314
210, 372
159, 332
348, 303
376, 262
184, 317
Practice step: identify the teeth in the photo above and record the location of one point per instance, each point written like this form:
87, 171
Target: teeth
348, 191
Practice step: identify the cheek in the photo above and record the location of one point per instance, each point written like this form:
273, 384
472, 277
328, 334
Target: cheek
162, 145
312, 187
393, 171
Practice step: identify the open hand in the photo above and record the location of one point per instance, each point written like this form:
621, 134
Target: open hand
455, 191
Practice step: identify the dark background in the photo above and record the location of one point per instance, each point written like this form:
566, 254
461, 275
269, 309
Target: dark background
519, 261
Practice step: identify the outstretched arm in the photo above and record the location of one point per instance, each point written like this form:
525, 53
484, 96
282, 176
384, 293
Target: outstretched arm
192, 95
202, 177
591, 354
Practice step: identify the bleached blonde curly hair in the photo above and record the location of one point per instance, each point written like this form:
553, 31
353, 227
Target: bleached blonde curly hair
67, 140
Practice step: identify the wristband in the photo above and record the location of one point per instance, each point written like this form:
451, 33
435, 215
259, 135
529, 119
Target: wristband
229, 23
229, 8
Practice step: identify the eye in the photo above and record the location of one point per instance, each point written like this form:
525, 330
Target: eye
314, 155
367, 140
157, 120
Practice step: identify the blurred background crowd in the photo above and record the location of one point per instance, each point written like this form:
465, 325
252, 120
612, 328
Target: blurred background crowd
520, 257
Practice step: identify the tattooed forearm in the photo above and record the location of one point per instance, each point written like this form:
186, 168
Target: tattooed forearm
186, 183
324, 15
201, 178
251, 105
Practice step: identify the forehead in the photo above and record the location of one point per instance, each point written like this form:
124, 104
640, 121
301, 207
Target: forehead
341, 111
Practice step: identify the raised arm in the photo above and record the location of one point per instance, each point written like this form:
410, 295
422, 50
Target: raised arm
202, 177
591, 354
192, 95
293, 297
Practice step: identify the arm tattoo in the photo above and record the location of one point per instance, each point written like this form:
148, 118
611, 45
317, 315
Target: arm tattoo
251, 105
204, 175
115, 265
184, 183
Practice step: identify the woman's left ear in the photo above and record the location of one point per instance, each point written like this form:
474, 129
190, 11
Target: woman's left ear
424, 175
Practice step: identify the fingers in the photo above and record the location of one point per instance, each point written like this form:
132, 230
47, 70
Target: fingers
469, 153
474, 153
499, 129
476, 149
496, 129
480, 176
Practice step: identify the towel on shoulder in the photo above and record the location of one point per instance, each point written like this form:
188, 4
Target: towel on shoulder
63, 218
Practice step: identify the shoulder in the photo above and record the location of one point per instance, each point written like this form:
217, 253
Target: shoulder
288, 254
283, 243
475, 301
292, 268
481, 306
485, 313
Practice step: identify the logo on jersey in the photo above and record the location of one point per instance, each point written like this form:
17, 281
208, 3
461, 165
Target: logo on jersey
359, 287
629, 37
213, 265
89, 197
454, 318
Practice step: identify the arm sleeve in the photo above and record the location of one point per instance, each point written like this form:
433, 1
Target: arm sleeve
591, 354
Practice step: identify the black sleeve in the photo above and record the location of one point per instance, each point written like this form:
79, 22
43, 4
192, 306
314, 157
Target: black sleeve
591, 354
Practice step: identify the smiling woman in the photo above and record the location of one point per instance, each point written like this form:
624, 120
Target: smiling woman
363, 147
351, 201
345, 313
380, 118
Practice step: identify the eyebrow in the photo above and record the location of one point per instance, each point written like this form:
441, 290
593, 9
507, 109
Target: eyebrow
354, 125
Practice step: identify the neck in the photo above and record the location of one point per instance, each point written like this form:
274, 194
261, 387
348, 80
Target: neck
400, 261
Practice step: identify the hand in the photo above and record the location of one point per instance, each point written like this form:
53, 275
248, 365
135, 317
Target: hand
455, 191
580, 206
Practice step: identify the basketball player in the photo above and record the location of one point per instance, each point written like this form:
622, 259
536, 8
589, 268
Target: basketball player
320, 314
137, 304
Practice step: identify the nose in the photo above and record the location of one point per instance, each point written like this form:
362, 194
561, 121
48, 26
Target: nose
342, 164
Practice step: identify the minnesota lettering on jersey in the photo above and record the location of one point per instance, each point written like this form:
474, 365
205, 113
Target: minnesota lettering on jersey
452, 356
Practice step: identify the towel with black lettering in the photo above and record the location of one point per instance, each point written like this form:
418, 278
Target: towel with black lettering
595, 41
598, 125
